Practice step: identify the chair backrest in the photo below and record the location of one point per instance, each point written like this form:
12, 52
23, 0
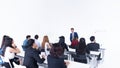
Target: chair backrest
80, 58
3, 59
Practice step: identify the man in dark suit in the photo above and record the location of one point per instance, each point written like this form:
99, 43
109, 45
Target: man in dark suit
32, 55
73, 35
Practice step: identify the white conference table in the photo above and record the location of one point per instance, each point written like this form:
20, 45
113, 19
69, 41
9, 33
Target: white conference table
72, 65
77, 65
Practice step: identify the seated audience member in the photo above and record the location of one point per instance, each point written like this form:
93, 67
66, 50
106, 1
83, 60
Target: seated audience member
74, 44
81, 51
2, 49
81, 48
46, 45
10, 51
54, 59
36, 41
25, 45
32, 55
62, 43
93, 46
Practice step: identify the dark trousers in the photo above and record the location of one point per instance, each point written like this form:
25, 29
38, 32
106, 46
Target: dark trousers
6, 64
16, 60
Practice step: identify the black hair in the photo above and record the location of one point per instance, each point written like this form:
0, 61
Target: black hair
61, 39
28, 36
8, 42
30, 42
36, 36
92, 38
82, 41
56, 50
3, 40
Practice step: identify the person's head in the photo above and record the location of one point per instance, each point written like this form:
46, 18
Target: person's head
36, 36
82, 41
92, 38
28, 37
31, 43
3, 39
72, 29
56, 50
45, 39
8, 42
61, 39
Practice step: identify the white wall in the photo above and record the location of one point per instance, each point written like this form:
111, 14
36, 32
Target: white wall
55, 17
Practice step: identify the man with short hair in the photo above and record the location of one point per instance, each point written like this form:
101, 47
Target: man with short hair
25, 46
73, 35
93, 46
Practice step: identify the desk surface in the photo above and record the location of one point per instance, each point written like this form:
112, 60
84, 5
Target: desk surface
77, 65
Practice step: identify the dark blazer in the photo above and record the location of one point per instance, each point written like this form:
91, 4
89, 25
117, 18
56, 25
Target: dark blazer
32, 58
92, 47
55, 62
75, 36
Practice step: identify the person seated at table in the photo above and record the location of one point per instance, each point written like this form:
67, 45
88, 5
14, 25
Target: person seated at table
62, 43
54, 59
74, 43
32, 55
46, 46
81, 51
9, 53
2, 49
81, 48
93, 46
25, 42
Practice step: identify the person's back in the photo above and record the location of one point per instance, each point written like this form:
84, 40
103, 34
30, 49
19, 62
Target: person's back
28, 58
81, 52
81, 48
62, 43
93, 46
55, 59
25, 42
55, 62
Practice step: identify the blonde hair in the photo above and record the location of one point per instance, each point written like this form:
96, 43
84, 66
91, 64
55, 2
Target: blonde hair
45, 39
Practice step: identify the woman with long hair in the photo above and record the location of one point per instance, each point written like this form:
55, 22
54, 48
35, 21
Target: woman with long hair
10, 51
46, 44
55, 59
81, 51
